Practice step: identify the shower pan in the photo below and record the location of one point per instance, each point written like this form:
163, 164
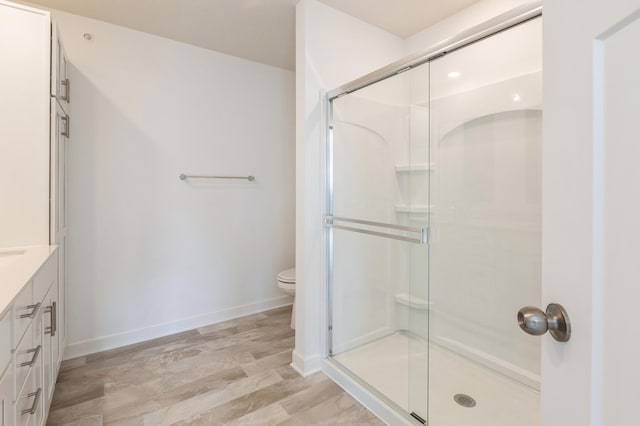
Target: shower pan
433, 230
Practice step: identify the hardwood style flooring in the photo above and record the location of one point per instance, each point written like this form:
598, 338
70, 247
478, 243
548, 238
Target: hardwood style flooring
231, 373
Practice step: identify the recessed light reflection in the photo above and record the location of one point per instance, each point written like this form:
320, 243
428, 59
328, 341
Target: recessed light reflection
516, 97
454, 74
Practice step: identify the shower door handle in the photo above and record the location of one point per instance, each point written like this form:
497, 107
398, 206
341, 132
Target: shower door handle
536, 322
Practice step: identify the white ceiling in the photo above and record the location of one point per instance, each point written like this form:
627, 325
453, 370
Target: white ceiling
258, 30
403, 18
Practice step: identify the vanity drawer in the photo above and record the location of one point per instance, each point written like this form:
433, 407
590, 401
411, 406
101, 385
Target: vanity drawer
29, 401
44, 278
24, 310
29, 353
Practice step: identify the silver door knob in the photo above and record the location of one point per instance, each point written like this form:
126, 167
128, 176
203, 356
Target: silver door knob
536, 322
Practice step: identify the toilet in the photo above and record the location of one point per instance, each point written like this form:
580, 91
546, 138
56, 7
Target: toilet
287, 283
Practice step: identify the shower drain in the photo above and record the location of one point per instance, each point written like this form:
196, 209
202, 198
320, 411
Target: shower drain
464, 400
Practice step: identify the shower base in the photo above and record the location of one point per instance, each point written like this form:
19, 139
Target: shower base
384, 364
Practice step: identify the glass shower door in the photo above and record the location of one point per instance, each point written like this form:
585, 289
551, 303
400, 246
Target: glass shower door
485, 254
378, 229
434, 233
415, 174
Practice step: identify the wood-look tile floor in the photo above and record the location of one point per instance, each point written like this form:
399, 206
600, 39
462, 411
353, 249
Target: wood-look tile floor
232, 373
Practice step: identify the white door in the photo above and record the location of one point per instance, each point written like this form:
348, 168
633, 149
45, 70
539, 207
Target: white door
591, 210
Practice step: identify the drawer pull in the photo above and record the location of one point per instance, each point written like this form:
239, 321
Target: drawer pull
54, 319
34, 407
67, 89
34, 309
35, 353
53, 311
67, 126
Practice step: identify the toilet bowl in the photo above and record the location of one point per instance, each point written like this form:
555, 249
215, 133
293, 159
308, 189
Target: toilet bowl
287, 283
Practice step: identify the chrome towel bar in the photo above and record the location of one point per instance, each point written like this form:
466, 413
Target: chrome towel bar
423, 233
185, 177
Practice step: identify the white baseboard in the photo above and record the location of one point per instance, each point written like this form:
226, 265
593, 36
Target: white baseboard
86, 347
305, 366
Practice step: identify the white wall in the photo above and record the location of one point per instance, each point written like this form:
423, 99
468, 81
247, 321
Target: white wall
332, 48
24, 120
149, 254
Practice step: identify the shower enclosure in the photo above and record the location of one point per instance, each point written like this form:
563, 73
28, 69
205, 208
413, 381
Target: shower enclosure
433, 230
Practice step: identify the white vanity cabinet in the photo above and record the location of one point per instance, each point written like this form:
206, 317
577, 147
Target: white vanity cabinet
30, 343
34, 118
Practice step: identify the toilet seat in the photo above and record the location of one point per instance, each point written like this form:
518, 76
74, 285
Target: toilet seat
287, 283
288, 276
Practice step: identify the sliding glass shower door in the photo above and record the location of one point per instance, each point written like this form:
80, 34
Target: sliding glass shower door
433, 233
379, 230
486, 132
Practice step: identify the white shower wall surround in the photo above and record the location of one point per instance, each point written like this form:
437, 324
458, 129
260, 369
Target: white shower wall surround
377, 133
325, 60
150, 254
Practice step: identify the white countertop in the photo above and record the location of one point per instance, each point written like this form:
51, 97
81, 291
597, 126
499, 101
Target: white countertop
17, 271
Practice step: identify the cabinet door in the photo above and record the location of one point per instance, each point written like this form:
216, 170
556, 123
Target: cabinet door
46, 353
60, 85
50, 343
59, 140
6, 399
38, 366
59, 134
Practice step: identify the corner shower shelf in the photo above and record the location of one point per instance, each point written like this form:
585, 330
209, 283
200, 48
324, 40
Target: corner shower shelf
414, 168
412, 302
415, 208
